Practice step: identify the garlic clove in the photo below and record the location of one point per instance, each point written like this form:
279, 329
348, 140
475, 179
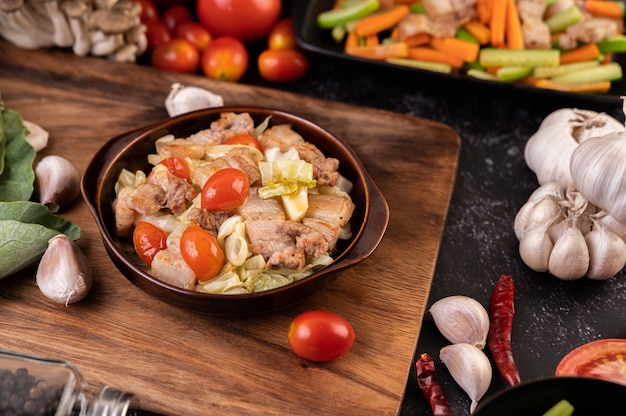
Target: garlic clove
551, 190
470, 368
58, 182
569, 259
37, 136
64, 274
608, 222
461, 319
535, 248
184, 99
607, 253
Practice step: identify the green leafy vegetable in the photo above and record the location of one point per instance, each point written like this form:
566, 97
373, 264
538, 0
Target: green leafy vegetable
35, 213
3, 143
18, 177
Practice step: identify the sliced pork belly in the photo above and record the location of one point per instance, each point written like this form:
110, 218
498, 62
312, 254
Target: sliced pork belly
172, 269
228, 125
333, 209
256, 208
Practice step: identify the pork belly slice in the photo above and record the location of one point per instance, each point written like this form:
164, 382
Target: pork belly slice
172, 269
180, 148
333, 209
256, 208
228, 125
329, 231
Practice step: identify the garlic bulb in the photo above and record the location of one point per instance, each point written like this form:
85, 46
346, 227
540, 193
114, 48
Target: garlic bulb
569, 258
64, 274
58, 182
183, 99
607, 253
470, 368
461, 319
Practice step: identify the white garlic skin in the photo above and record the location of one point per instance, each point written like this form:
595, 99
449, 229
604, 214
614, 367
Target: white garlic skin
37, 136
184, 99
58, 182
535, 248
64, 274
569, 258
470, 368
607, 254
461, 319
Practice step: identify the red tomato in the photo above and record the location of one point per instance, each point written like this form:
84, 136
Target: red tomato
202, 252
195, 33
226, 189
320, 335
175, 15
177, 167
604, 359
246, 20
177, 55
157, 34
245, 139
148, 240
282, 65
149, 11
282, 35
226, 58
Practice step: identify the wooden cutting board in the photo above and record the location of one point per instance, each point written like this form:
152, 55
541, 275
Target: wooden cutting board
181, 363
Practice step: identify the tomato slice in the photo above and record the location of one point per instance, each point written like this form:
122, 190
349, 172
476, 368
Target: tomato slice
148, 240
202, 252
605, 359
177, 167
225, 190
244, 139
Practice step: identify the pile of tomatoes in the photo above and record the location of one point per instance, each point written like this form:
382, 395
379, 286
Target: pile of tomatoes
216, 37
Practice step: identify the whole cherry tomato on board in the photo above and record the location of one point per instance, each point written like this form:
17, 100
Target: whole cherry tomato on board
320, 335
226, 189
177, 167
605, 358
245, 139
175, 15
246, 20
226, 58
148, 240
177, 55
282, 65
282, 35
195, 33
202, 252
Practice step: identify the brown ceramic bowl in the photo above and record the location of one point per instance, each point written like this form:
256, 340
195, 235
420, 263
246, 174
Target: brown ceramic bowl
129, 150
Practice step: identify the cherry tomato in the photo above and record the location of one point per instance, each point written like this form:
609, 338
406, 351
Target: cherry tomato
157, 34
320, 335
246, 20
148, 240
282, 65
226, 189
226, 58
195, 33
282, 36
202, 252
149, 11
245, 139
177, 167
175, 15
177, 55
605, 358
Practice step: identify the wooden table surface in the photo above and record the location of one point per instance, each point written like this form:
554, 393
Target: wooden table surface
182, 363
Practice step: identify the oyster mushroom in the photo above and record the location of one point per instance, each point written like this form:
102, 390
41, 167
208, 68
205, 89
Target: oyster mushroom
18, 27
62, 36
76, 12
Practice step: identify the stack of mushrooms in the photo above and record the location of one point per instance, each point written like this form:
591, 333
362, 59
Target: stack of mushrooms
109, 28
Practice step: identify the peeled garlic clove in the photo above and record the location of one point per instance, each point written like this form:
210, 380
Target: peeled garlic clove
58, 182
461, 319
37, 136
569, 259
64, 275
183, 99
607, 254
535, 248
470, 368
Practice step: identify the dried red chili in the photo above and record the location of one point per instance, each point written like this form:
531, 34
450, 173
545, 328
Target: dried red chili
430, 387
501, 312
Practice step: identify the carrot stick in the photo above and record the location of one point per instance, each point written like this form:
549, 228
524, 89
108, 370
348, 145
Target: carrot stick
601, 86
352, 41
480, 31
498, 23
381, 21
418, 39
372, 40
610, 9
483, 11
380, 52
585, 52
424, 53
459, 48
514, 36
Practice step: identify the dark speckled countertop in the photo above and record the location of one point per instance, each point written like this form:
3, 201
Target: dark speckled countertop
493, 182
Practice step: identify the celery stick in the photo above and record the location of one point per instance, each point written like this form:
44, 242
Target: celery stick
414, 63
490, 57
606, 72
512, 73
553, 71
465, 35
417, 7
354, 11
562, 408
563, 19
477, 73
613, 44
338, 33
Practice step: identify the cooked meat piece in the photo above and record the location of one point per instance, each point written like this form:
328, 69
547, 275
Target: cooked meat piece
172, 269
270, 239
436, 9
228, 125
333, 209
530, 10
536, 34
558, 6
181, 148
414, 23
144, 199
178, 192
238, 158
464, 9
209, 220
324, 169
329, 231
312, 242
291, 257
256, 208
590, 30
281, 136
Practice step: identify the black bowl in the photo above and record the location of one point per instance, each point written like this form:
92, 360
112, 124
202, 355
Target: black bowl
130, 150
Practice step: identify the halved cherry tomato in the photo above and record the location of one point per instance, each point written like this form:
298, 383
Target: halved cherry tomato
282, 65
195, 33
320, 335
245, 139
157, 34
226, 189
226, 58
282, 36
177, 167
202, 252
177, 55
148, 240
605, 358
174, 16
